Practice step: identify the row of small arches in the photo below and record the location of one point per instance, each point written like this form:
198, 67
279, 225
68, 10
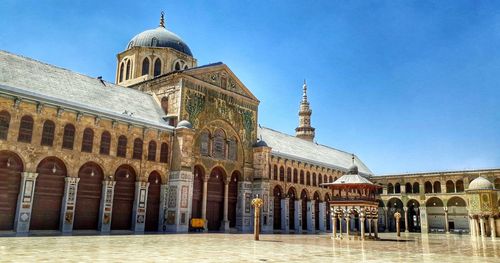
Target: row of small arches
126, 71
451, 187
314, 180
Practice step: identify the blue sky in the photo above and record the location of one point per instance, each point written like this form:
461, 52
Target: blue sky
407, 85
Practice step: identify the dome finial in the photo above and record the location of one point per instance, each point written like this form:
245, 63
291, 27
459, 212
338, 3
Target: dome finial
304, 91
162, 19
352, 158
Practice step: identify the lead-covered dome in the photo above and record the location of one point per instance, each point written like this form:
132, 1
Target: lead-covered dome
159, 37
481, 183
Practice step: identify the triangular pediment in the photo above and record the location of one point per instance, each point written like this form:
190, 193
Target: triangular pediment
219, 74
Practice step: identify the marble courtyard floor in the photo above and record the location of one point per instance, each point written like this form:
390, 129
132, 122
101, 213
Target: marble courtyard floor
241, 248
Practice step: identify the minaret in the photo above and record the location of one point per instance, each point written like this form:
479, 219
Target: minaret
305, 131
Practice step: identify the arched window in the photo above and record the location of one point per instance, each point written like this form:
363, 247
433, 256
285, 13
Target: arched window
137, 153
232, 150
145, 66
105, 143
295, 176
164, 104
390, 189
314, 179
164, 153
308, 178
408, 188
152, 151
204, 140
185, 67
320, 179
25, 129
219, 145
88, 140
301, 177
450, 186
282, 173
428, 187
120, 77
331, 179
68, 136
127, 76
437, 187
397, 188
4, 124
416, 188
289, 174
275, 173
177, 66
460, 185
157, 67
48, 133
121, 150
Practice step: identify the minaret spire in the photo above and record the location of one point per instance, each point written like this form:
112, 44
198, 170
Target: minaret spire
305, 131
162, 19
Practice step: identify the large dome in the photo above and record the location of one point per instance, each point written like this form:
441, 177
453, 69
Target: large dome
159, 37
481, 183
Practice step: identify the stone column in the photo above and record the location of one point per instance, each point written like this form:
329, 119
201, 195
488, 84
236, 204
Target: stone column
140, 203
225, 222
369, 226
68, 204
375, 226
285, 224
478, 228
406, 219
106, 207
334, 226
386, 217
25, 202
446, 226
162, 223
423, 220
322, 217
204, 200
298, 216
481, 225
310, 217
347, 219
362, 225
493, 227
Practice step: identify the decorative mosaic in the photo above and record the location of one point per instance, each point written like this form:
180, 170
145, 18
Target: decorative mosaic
184, 196
172, 197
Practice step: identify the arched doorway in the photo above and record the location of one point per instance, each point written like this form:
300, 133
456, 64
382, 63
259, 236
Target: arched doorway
233, 198
123, 200
291, 207
215, 198
153, 206
11, 167
395, 205
328, 216
316, 210
277, 194
88, 199
435, 213
413, 215
304, 198
457, 214
49, 191
199, 174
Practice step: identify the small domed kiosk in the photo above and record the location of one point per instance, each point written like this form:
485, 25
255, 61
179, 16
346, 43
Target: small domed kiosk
483, 208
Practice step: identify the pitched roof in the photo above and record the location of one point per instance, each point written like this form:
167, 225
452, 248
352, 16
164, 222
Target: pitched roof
29, 78
350, 179
288, 146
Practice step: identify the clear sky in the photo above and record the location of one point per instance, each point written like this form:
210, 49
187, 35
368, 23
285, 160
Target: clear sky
407, 85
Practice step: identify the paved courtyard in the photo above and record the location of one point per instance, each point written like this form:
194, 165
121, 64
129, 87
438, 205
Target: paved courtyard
241, 248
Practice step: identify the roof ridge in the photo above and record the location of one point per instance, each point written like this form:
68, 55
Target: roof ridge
442, 171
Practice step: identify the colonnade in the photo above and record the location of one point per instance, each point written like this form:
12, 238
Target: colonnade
484, 225
367, 216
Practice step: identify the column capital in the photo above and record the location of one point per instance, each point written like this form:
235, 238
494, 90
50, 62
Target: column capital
109, 183
72, 180
28, 175
405, 209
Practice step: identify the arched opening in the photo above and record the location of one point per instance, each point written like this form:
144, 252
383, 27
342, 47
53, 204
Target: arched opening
416, 188
137, 152
11, 167
304, 198
68, 137
408, 188
428, 187
48, 195
48, 130
233, 198
457, 214
390, 189
87, 140
316, 210
301, 177
460, 185
308, 178
157, 67
145, 66
282, 173
395, 205
289, 174
450, 186
127, 72
25, 129
153, 203
121, 72
164, 153
275, 172
292, 195
219, 144
435, 214
328, 216
496, 183
437, 187
152, 151
121, 150
314, 181
4, 124
105, 143
199, 174
123, 199
88, 199
177, 66
413, 215
215, 198
295, 176
397, 188
277, 194
164, 104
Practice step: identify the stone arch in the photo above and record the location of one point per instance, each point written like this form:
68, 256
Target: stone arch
277, 194
390, 188
460, 186
233, 197
413, 207
394, 205
215, 197
397, 188
49, 191
304, 197
427, 187
198, 177
123, 198
153, 202
11, 167
292, 196
436, 187
450, 186
408, 188
317, 199
435, 213
88, 199
416, 188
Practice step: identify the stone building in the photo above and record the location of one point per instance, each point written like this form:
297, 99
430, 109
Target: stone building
171, 141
